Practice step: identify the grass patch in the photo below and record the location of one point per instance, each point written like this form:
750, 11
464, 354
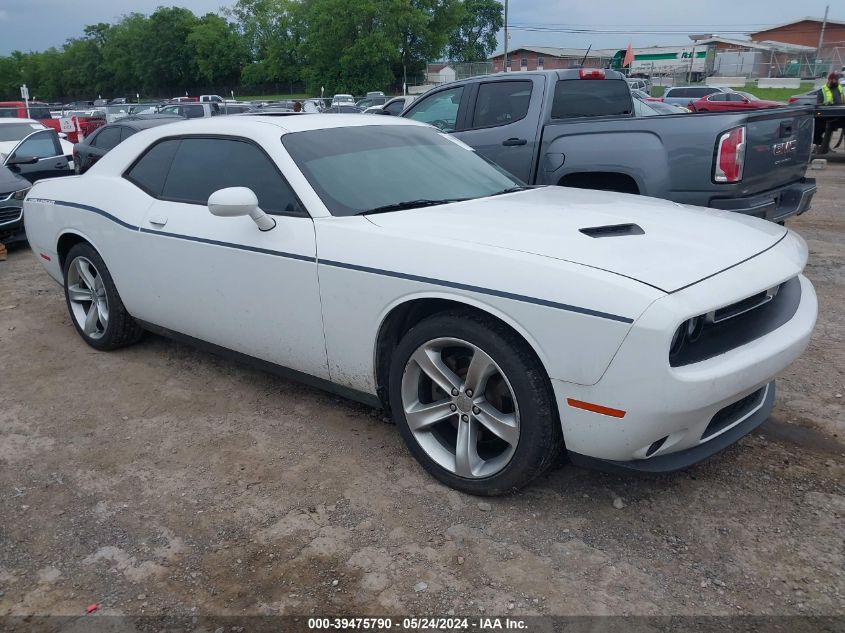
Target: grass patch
769, 94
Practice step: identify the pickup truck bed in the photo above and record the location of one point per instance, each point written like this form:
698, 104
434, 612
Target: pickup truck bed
577, 128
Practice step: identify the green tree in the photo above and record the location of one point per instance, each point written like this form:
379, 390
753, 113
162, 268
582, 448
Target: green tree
272, 32
218, 50
169, 64
474, 38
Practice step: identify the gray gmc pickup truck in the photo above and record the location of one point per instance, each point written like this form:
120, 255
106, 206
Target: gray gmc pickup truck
579, 128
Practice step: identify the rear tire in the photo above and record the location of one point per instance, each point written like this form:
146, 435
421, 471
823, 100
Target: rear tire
509, 422
95, 307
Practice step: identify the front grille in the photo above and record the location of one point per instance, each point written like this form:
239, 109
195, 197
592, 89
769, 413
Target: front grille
743, 322
733, 413
10, 214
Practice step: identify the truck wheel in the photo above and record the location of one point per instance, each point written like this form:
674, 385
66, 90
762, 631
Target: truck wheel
95, 307
473, 404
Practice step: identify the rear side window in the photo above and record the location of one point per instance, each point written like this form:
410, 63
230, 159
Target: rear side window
194, 111
126, 132
720, 96
150, 171
395, 107
501, 102
591, 97
677, 93
39, 112
8, 113
201, 166
700, 92
107, 138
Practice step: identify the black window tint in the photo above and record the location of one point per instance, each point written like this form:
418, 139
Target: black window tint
702, 92
39, 112
201, 166
107, 138
150, 171
501, 102
395, 107
126, 132
8, 113
677, 93
194, 111
591, 97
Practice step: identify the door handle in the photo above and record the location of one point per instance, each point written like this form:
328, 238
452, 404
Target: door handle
158, 220
59, 165
514, 141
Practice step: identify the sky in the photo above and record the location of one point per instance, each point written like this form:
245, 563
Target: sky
38, 24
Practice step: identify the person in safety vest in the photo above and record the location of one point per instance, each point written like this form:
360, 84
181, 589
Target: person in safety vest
832, 92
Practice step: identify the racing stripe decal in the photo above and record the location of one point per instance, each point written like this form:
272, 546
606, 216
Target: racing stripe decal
346, 266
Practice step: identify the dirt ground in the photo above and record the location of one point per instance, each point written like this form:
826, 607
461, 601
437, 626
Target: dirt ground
161, 480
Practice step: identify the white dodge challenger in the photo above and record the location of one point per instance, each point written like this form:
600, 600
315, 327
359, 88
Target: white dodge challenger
383, 259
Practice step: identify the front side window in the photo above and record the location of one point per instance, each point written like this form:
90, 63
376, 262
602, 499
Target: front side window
107, 138
194, 111
440, 109
44, 144
501, 102
201, 166
356, 169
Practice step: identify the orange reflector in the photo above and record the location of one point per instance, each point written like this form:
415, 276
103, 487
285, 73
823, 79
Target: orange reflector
47, 257
595, 408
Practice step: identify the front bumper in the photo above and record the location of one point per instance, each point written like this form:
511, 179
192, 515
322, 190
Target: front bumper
11, 221
775, 205
671, 410
746, 421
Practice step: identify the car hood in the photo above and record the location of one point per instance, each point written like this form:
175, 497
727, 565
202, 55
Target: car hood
11, 182
671, 246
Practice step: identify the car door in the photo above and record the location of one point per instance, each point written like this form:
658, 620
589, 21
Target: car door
219, 279
442, 109
38, 156
105, 139
503, 121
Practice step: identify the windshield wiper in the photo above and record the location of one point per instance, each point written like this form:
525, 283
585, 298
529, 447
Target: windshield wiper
512, 190
409, 204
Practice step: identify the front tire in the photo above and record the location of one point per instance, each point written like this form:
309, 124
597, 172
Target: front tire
474, 404
95, 307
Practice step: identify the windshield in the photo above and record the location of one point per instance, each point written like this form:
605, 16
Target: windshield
18, 131
355, 169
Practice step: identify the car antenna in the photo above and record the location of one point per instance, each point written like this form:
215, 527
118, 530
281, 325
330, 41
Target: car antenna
584, 58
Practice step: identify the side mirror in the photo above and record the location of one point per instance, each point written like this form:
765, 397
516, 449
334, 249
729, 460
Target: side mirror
384, 112
21, 160
235, 201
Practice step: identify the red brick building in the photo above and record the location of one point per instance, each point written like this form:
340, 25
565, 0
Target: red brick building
805, 32
549, 58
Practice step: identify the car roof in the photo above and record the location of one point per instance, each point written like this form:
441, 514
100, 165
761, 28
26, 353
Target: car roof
292, 122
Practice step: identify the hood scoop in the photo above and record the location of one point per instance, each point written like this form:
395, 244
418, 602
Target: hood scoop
613, 230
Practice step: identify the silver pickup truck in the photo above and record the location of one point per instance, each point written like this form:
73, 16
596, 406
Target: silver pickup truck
578, 128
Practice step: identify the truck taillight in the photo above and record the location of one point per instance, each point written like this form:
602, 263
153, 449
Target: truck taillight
591, 73
730, 156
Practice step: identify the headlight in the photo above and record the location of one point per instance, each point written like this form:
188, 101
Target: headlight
20, 195
688, 332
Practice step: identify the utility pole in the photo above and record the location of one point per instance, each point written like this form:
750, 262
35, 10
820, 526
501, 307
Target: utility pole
821, 39
506, 36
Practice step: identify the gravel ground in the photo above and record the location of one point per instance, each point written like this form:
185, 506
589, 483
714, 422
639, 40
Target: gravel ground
161, 480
